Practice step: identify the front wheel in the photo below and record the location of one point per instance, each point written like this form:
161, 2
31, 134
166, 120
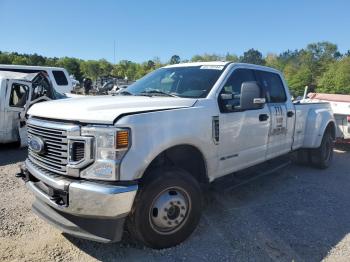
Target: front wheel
323, 156
167, 208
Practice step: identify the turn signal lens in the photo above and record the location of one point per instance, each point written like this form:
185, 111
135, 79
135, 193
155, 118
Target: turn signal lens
122, 139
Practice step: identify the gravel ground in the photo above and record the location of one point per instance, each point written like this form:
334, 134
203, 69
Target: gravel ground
297, 213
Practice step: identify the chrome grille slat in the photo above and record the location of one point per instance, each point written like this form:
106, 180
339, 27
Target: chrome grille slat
51, 167
57, 153
57, 147
50, 139
60, 134
52, 130
56, 159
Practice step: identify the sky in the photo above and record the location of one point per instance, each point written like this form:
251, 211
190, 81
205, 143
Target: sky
143, 30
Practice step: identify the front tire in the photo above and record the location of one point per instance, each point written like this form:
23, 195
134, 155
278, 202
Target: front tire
167, 208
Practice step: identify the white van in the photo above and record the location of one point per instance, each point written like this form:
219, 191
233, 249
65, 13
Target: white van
59, 76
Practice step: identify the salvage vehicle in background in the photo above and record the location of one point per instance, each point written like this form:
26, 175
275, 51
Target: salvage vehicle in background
60, 79
18, 91
340, 105
140, 158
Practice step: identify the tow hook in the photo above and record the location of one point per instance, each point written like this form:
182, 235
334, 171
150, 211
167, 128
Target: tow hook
23, 174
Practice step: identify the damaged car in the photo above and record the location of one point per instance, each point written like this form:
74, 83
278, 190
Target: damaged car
18, 92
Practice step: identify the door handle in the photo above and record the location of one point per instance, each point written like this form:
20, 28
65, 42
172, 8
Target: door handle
263, 117
290, 114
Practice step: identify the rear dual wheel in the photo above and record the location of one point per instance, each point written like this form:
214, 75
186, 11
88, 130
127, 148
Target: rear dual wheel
320, 157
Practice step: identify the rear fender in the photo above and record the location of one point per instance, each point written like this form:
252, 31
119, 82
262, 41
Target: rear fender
317, 122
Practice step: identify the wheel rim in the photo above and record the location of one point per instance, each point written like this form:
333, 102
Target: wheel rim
169, 210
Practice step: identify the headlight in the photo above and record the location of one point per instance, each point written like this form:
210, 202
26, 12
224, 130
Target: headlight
110, 145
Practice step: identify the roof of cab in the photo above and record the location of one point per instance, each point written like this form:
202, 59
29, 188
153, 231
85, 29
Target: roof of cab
17, 76
223, 64
30, 67
215, 63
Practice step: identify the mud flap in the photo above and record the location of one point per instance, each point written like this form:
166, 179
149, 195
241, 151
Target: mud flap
22, 131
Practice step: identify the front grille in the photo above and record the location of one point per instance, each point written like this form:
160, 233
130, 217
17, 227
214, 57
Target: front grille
54, 156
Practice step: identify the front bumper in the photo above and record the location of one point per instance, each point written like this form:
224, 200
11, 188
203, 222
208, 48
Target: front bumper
81, 208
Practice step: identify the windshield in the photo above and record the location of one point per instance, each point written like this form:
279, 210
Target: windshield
193, 81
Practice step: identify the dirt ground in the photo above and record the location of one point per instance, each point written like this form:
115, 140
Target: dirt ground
297, 213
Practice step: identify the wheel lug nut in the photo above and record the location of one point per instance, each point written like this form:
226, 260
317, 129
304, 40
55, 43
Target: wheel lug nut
182, 215
177, 222
169, 223
182, 207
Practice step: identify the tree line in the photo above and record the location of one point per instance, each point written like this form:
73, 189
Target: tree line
321, 66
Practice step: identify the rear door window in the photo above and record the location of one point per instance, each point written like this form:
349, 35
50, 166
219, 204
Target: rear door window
60, 78
273, 85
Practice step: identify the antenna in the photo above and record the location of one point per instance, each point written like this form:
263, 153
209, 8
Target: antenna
114, 52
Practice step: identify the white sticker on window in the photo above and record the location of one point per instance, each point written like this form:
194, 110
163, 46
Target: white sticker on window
212, 67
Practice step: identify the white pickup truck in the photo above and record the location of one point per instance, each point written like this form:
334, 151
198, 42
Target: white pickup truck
18, 91
142, 157
60, 79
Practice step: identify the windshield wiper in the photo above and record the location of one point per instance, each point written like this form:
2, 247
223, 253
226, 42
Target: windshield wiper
155, 92
124, 93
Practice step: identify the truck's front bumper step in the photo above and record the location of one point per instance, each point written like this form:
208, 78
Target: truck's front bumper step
79, 197
85, 209
100, 230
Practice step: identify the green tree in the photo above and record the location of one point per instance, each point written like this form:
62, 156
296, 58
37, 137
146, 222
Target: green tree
150, 65
105, 67
298, 78
72, 65
206, 58
253, 56
337, 78
272, 60
231, 57
175, 59
90, 69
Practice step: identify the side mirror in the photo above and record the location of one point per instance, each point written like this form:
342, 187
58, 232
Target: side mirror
251, 94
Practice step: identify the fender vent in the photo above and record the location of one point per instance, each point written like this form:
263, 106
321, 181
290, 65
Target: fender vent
77, 151
216, 130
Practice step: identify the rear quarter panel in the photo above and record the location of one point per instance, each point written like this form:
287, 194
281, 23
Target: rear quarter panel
311, 123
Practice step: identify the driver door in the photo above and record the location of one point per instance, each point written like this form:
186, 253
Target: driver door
243, 134
18, 95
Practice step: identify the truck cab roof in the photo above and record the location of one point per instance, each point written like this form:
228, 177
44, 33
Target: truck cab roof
17, 76
59, 77
223, 64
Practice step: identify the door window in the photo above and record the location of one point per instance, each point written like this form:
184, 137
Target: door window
273, 85
60, 78
19, 95
233, 86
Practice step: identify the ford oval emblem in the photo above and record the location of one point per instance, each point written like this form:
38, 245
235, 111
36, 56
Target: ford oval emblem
37, 145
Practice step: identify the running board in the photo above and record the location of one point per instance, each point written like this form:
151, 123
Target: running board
246, 176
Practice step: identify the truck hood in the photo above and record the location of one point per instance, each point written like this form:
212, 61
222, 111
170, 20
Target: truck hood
105, 109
